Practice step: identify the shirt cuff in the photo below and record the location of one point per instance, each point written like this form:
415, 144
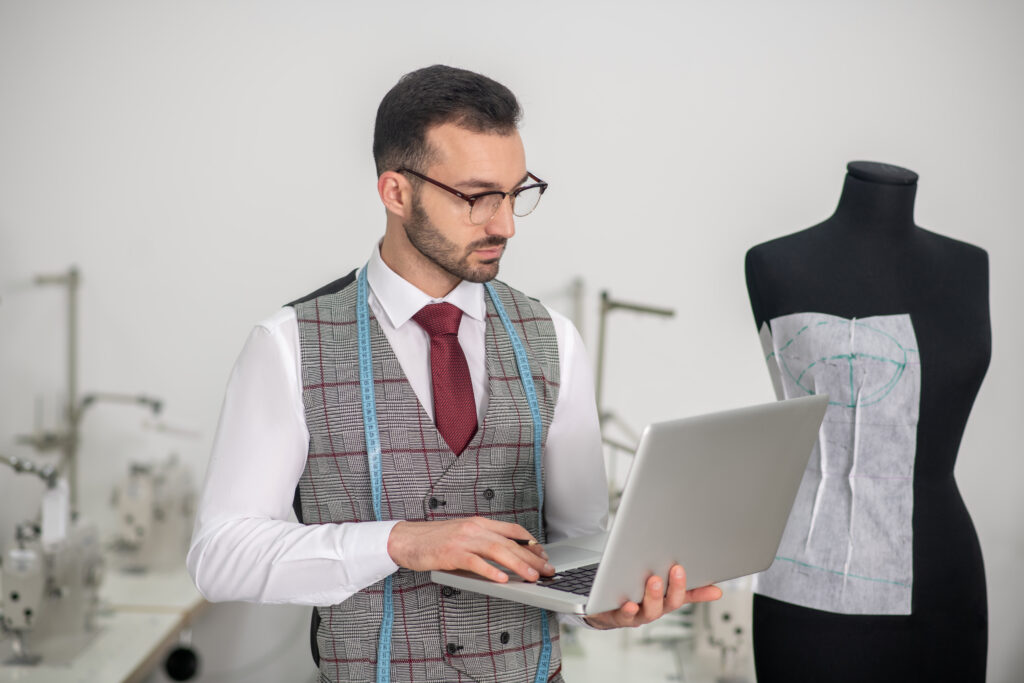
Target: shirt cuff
369, 542
566, 619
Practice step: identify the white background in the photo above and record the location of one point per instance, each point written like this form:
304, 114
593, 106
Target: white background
206, 162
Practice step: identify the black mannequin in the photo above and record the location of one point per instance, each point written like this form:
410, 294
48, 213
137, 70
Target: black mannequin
870, 259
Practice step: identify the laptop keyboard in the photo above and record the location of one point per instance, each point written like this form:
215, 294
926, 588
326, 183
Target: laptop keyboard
577, 581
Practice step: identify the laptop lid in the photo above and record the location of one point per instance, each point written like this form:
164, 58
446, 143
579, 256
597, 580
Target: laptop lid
711, 492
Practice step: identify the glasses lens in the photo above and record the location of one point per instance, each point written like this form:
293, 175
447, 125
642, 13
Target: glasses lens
527, 200
484, 208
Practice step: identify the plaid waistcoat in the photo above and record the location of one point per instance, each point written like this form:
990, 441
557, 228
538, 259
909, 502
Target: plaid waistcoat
439, 634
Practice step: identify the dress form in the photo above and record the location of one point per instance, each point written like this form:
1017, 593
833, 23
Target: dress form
870, 259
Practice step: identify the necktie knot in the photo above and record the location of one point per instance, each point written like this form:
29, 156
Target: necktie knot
439, 319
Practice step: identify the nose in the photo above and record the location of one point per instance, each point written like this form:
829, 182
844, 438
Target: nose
503, 223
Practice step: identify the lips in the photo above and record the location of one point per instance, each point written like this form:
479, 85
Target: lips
489, 252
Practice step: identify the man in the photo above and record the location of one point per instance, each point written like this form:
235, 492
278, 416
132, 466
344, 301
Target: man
407, 435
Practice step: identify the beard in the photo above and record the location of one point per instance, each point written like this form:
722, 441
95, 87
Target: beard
444, 253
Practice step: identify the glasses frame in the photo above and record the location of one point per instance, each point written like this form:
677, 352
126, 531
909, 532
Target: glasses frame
472, 199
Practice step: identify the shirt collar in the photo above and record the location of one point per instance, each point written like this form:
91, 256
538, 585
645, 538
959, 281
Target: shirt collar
401, 299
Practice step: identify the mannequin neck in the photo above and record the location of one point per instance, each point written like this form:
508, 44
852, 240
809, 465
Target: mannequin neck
875, 200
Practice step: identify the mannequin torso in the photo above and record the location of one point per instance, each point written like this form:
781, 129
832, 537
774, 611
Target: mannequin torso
869, 259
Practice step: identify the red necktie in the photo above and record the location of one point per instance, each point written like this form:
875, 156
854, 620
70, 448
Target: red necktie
454, 405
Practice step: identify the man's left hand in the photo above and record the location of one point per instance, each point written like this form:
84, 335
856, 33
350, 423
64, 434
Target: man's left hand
656, 602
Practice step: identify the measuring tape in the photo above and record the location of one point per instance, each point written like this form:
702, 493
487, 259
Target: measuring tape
372, 432
373, 455
526, 376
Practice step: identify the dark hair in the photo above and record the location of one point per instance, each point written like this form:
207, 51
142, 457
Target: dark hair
432, 96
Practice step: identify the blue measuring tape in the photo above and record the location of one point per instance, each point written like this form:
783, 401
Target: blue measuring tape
372, 432
526, 376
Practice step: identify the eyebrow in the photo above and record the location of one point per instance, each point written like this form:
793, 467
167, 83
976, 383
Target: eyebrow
488, 184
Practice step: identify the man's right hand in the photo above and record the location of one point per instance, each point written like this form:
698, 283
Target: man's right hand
468, 544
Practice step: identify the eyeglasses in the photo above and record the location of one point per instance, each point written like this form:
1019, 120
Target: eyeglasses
483, 205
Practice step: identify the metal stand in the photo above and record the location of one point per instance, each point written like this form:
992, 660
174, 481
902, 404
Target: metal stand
607, 306
609, 418
66, 438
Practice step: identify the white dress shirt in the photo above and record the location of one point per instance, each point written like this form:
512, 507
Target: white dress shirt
247, 545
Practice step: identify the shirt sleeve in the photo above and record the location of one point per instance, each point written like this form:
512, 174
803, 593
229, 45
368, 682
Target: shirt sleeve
576, 488
575, 484
246, 544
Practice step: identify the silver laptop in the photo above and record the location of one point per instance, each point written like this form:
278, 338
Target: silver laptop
711, 493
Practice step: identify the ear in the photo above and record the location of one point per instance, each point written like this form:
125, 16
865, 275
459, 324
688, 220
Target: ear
395, 193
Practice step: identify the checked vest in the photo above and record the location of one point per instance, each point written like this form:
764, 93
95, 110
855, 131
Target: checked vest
439, 634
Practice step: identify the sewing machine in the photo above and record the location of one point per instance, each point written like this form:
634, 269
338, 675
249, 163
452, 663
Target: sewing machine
155, 504
49, 579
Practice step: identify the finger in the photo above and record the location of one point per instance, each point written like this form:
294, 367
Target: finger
703, 594
476, 538
515, 557
652, 606
532, 555
676, 595
515, 532
478, 565
530, 559
548, 569
538, 550
627, 614
617, 618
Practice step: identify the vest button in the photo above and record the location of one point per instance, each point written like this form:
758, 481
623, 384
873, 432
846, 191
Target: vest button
453, 648
488, 494
504, 638
446, 591
433, 503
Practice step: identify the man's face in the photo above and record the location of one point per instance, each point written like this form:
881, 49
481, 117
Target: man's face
439, 225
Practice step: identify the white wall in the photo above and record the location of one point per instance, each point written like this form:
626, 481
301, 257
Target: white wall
186, 155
